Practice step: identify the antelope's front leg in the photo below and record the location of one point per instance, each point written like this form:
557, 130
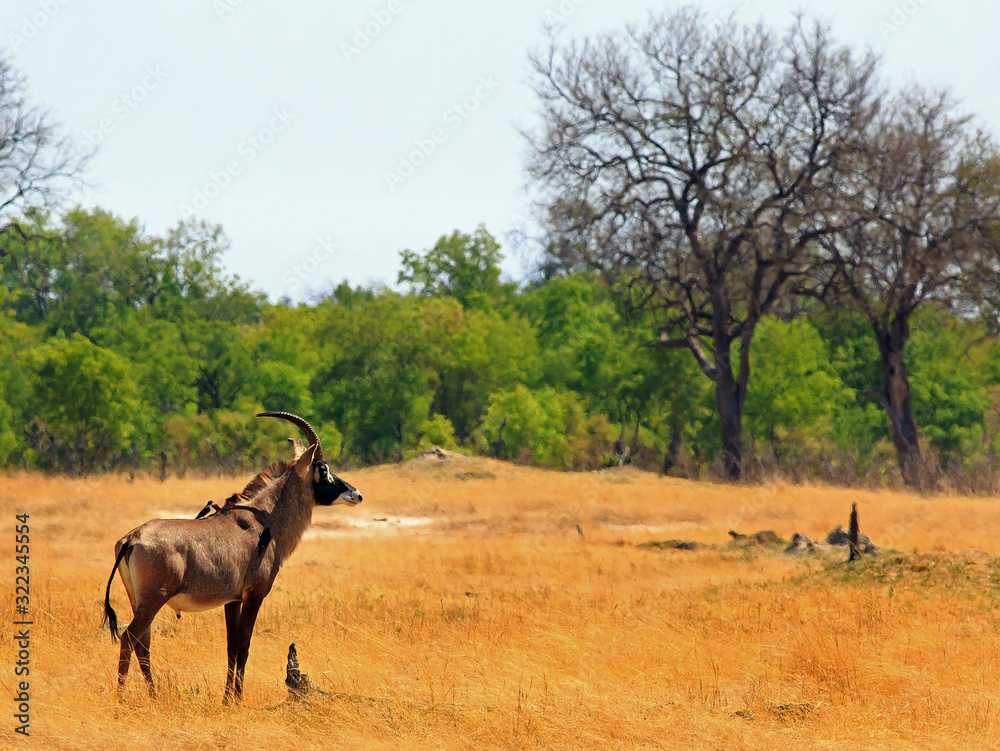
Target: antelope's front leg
248, 617
232, 645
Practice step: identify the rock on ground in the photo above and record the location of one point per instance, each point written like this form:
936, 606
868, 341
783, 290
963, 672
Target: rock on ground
840, 536
764, 538
800, 544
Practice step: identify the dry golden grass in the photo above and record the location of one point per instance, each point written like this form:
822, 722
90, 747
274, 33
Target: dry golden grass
485, 620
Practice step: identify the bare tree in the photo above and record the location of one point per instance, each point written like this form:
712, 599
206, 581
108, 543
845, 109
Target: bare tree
924, 196
37, 164
697, 163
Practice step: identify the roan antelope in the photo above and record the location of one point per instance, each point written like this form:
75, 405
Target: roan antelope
229, 558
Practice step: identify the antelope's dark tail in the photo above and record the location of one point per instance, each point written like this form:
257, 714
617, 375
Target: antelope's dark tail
110, 617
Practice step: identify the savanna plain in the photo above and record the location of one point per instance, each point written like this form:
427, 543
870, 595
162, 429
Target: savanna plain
472, 604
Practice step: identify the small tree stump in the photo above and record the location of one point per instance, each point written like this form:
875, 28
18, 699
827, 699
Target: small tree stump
852, 535
299, 685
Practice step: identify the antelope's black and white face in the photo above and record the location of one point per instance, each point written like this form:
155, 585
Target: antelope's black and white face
330, 490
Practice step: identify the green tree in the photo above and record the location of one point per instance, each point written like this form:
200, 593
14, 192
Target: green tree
375, 383
926, 186
16, 339
283, 385
472, 354
85, 400
224, 366
655, 397
854, 359
696, 160
466, 267
952, 370
796, 395
81, 275
544, 427
393, 364
30, 255
95, 266
193, 281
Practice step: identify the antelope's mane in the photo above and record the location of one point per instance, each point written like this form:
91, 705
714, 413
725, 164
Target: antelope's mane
263, 480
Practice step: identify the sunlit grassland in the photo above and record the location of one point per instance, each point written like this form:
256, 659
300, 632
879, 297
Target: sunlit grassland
478, 616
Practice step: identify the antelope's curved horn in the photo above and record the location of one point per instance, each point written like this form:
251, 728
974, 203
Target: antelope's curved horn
302, 425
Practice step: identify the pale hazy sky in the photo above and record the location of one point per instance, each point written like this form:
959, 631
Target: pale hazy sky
298, 125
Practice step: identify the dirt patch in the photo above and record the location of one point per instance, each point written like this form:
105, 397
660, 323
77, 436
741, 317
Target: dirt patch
653, 529
765, 538
435, 454
673, 545
177, 513
377, 526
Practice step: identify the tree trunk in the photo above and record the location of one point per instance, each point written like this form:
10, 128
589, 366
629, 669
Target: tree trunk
895, 400
730, 409
53, 454
730, 393
619, 444
855, 531
670, 457
499, 447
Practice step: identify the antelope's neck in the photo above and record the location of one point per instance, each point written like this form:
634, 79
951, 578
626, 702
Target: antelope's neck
291, 514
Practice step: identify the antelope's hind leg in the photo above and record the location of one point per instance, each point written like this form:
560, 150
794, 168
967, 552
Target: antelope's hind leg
136, 639
128, 644
142, 656
124, 658
146, 602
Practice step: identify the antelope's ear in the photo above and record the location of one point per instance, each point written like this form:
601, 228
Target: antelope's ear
297, 448
303, 465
